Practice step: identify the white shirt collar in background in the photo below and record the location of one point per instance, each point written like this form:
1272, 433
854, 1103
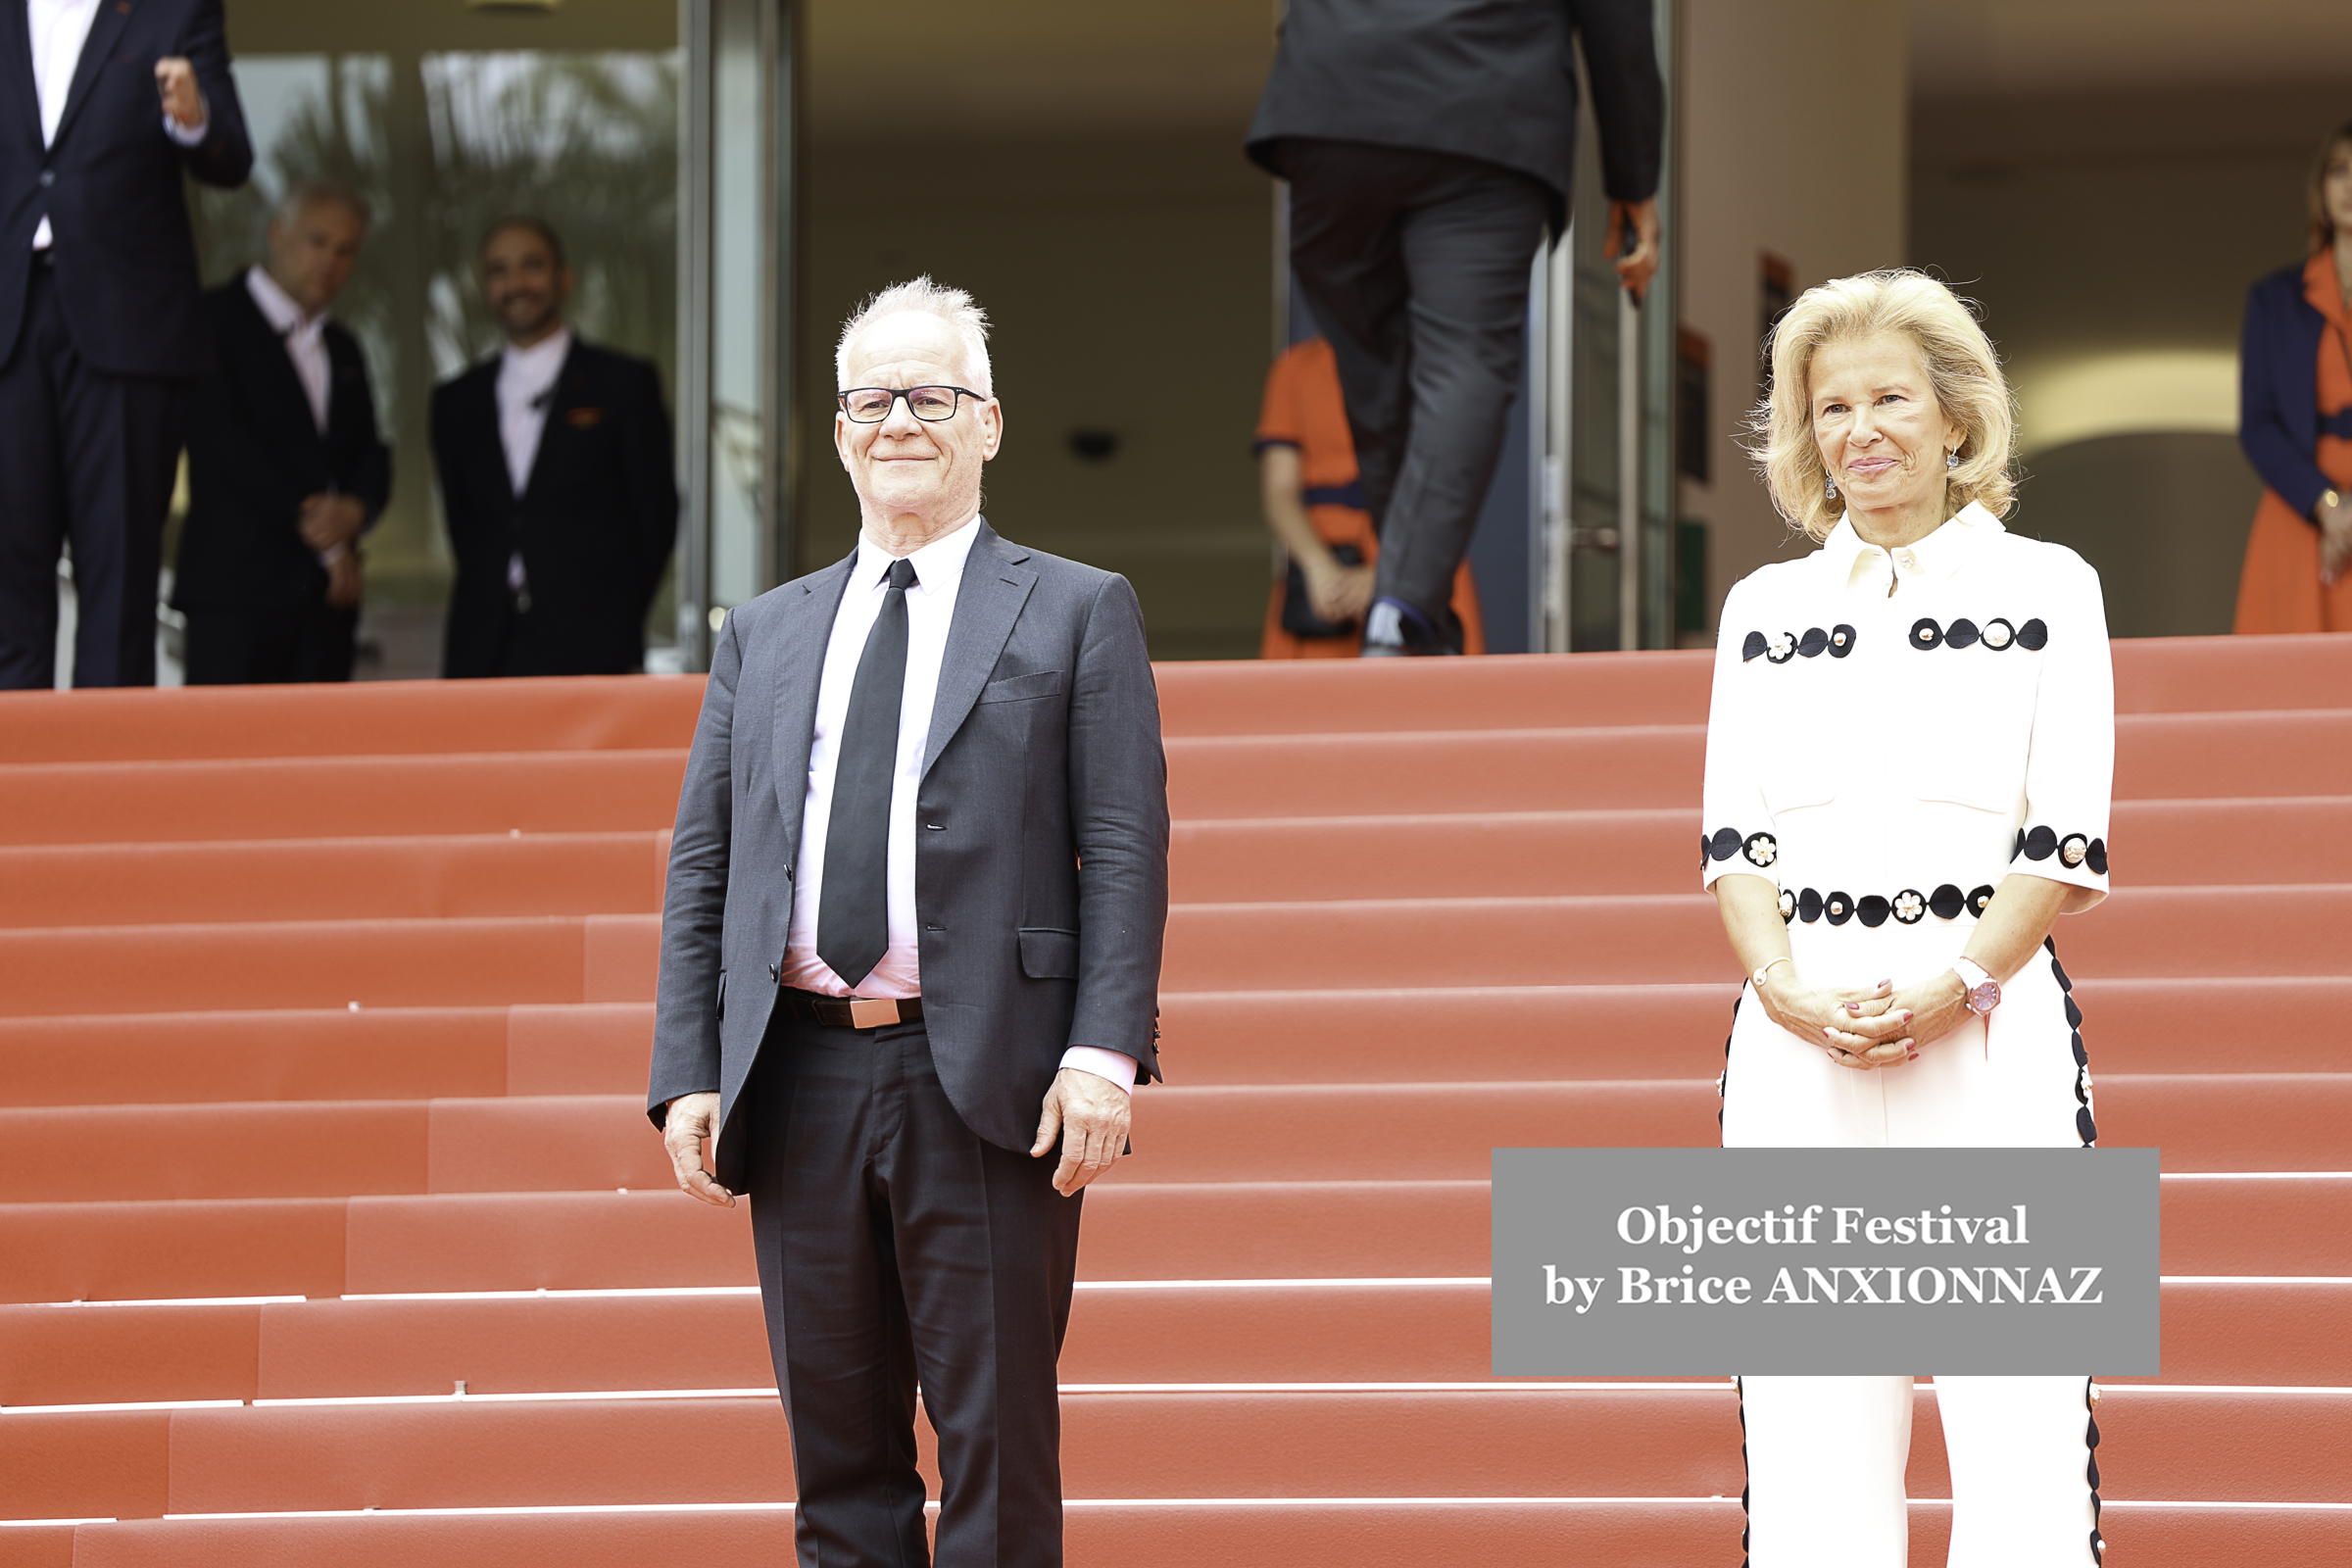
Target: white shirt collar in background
305, 338
526, 384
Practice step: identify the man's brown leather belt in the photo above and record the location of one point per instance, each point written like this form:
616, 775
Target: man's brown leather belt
852, 1012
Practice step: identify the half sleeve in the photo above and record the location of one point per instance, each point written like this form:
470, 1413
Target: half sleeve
1281, 422
2070, 768
1736, 828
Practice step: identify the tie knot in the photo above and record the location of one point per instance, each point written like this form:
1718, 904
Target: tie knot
901, 574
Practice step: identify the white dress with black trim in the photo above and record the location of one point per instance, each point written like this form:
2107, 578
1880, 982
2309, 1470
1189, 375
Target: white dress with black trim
1885, 758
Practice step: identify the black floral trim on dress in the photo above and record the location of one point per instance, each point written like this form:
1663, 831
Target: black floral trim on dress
1836, 641
2073, 851
1996, 634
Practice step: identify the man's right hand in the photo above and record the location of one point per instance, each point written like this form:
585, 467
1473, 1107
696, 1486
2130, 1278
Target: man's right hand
690, 1121
327, 520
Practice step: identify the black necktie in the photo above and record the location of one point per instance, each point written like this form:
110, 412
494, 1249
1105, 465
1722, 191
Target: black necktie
853, 910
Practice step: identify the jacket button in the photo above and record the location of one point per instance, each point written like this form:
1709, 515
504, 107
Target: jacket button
936, 827
772, 973
48, 177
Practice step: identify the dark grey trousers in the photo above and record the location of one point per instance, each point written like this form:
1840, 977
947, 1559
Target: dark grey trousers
898, 1249
1415, 264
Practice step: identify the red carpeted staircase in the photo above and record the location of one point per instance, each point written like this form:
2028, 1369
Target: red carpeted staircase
340, 1237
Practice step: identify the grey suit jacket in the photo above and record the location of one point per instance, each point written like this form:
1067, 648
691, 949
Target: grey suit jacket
1041, 882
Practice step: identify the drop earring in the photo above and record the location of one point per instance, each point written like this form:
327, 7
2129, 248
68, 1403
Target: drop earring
1828, 487
1951, 460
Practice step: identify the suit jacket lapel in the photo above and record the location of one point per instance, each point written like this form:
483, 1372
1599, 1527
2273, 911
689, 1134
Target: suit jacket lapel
995, 588
17, 83
113, 17
555, 400
290, 404
803, 629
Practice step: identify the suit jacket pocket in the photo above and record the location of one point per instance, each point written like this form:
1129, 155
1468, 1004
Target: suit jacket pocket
1048, 954
1022, 688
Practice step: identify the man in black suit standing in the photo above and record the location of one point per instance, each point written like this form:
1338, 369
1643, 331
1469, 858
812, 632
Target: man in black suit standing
557, 480
100, 335
1428, 143
924, 834
285, 466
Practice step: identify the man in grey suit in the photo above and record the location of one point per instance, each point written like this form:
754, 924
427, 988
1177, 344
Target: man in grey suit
924, 833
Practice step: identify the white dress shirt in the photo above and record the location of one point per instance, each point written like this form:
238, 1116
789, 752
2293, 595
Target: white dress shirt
930, 608
526, 386
57, 29
305, 338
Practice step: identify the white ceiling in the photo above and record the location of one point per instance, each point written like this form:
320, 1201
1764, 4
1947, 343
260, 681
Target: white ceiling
1972, 48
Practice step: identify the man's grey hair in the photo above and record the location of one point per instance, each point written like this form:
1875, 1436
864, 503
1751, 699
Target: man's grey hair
950, 305
305, 194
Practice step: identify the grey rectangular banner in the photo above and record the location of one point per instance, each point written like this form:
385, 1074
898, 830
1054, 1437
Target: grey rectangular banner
1694, 1262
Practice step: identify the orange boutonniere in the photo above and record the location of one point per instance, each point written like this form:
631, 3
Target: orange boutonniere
583, 419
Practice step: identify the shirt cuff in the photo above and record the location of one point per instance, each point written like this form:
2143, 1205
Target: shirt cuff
186, 136
1117, 1066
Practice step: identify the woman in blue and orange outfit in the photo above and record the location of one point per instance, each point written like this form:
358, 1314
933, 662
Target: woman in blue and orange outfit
1909, 755
1306, 472
2296, 420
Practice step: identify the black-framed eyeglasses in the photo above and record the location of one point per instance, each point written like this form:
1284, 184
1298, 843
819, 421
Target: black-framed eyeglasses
933, 405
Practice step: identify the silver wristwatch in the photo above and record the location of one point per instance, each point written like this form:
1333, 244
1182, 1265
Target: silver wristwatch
1981, 991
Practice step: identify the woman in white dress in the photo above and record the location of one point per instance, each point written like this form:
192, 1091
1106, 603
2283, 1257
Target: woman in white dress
1909, 753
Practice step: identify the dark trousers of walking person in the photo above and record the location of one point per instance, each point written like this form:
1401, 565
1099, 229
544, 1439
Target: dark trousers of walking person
897, 1247
90, 458
1415, 264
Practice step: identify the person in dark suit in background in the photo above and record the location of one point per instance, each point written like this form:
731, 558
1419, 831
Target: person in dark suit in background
1428, 143
557, 480
927, 802
285, 464
101, 333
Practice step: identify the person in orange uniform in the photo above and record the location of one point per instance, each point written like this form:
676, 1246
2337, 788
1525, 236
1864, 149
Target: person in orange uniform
2296, 421
1313, 504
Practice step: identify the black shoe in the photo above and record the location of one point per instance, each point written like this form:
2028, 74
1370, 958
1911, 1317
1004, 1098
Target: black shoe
1394, 630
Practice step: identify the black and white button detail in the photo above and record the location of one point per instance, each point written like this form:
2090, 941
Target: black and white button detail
1977, 898
1783, 648
1813, 642
1725, 843
1842, 640
1787, 906
1752, 648
2074, 852
1908, 908
1996, 634
1761, 850
1836, 642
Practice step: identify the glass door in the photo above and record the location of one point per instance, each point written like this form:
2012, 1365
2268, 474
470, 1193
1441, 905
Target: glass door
736, 183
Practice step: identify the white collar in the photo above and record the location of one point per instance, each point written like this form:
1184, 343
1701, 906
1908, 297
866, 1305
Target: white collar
541, 361
938, 566
278, 308
1938, 556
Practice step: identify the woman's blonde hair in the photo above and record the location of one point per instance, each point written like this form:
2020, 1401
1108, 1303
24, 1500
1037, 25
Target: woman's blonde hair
2322, 227
1961, 365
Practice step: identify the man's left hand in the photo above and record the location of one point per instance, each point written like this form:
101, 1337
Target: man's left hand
175, 81
1089, 1115
1633, 240
328, 519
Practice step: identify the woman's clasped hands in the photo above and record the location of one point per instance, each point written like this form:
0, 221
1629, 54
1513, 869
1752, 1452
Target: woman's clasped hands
1866, 1028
